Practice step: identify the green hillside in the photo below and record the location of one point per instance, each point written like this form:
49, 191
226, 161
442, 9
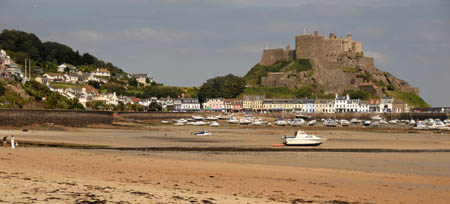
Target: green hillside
253, 77
411, 98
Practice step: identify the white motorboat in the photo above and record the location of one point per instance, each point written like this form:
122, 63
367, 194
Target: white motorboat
181, 120
202, 133
297, 122
382, 122
312, 122
367, 123
330, 123
376, 117
412, 122
198, 117
211, 118
281, 122
178, 124
165, 122
302, 139
420, 126
395, 121
355, 121
233, 120
437, 125
345, 122
214, 124
199, 123
244, 121
257, 122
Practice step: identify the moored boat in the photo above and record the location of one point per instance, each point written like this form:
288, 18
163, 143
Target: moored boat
300, 138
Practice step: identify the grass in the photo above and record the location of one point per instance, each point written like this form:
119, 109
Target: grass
411, 98
253, 77
300, 65
60, 85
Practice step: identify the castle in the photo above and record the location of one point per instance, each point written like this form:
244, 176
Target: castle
312, 46
338, 64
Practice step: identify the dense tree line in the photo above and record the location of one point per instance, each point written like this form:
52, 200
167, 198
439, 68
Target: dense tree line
229, 86
21, 45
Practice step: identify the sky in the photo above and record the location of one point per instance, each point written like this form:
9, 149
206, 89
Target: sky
186, 42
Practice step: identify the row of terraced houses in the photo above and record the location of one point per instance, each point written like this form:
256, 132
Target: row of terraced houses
341, 104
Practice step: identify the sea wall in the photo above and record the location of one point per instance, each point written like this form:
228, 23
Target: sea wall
156, 115
73, 118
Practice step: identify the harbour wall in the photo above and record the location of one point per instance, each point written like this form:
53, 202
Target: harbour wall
71, 118
156, 115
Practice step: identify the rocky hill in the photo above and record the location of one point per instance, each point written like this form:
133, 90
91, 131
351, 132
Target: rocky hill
330, 65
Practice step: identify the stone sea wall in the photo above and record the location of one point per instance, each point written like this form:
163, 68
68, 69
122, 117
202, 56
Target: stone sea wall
73, 118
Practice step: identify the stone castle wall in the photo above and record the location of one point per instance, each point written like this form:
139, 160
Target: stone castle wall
73, 118
271, 56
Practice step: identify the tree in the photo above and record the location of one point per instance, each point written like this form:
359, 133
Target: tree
305, 92
357, 94
228, 86
132, 82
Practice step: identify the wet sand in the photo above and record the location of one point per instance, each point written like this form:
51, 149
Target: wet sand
58, 175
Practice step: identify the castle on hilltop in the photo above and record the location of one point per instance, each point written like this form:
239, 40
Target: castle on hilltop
313, 46
338, 64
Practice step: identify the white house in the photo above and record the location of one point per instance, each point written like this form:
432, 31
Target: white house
343, 104
62, 68
386, 104
101, 72
71, 78
363, 107
54, 76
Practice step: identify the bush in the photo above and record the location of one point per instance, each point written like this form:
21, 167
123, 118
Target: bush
301, 65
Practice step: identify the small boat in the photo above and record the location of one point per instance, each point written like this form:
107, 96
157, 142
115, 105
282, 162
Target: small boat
395, 121
244, 121
420, 126
165, 122
211, 118
202, 133
382, 122
355, 121
297, 122
281, 122
233, 120
312, 122
181, 120
199, 123
214, 124
330, 123
367, 123
376, 117
437, 125
345, 122
257, 122
198, 117
178, 124
412, 122
302, 139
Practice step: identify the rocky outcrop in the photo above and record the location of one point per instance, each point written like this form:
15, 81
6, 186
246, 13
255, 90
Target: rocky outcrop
338, 64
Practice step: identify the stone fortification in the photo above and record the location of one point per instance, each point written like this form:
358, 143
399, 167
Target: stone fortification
338, 64
21, 117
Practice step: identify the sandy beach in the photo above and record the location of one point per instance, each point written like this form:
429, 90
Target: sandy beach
60, 175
